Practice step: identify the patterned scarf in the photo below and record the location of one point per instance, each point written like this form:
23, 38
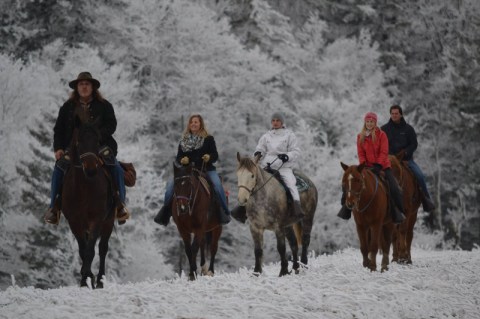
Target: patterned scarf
191, 142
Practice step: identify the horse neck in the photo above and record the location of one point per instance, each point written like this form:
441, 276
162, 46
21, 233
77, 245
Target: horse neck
264, 178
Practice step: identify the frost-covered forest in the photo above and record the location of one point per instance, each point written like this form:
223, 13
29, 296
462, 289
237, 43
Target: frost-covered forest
322, 63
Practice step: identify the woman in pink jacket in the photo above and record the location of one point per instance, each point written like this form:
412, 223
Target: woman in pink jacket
372, 150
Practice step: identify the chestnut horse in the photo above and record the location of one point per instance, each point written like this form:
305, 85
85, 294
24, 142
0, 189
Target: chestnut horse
403, 233
87, 201
265, 201
195, 211
367, 197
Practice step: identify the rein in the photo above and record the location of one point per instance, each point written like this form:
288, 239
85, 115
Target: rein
191, 203
253, 190
359, 193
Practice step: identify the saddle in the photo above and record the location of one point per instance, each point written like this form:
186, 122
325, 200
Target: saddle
301, 184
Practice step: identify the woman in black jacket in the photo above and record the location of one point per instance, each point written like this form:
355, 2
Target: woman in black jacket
199, 148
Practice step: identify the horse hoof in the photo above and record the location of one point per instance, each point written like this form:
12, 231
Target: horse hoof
256, 273
297, 271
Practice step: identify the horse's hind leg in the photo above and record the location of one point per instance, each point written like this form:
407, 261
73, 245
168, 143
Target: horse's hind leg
292, 241
306, 231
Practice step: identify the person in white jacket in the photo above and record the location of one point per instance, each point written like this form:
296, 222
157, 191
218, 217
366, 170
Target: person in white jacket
279, 149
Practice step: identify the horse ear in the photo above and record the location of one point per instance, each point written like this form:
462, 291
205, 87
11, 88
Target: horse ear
344, 166
360, 167
238, 157
400, 155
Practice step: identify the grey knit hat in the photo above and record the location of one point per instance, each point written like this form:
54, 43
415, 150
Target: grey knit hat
278, 116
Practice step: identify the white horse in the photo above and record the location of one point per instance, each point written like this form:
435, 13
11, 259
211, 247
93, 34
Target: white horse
265, 200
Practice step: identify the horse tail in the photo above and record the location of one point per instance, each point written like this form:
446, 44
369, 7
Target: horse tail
297, 229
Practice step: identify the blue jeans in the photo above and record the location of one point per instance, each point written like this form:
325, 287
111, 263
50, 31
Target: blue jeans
116, 171
420, 177
217, 185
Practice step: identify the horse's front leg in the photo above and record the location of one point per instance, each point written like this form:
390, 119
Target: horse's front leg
306, 231
375, 233
203, 266
198, 243
213, 249
187, 242
257, 236
280, 234
87, 246
386, 242
292, 240
102, 252
362, 233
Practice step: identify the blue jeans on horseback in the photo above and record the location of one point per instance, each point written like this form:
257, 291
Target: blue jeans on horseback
163, 216
116, 171
427, 203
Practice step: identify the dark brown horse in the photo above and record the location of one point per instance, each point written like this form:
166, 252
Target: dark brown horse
195, 211
403, 233
367, 197
87, 199
266, 205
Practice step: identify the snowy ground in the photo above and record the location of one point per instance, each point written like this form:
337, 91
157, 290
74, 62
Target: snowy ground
440, 284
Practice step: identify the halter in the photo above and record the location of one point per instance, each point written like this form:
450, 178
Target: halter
189, 198
358, 194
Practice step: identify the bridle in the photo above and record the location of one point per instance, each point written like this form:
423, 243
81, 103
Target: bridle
189, 201
253, 190
358, 194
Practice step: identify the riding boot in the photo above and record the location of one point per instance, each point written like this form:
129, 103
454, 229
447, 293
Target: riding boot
240, 214
427, 204
344, 212
224, 216
297, 211
52, 216
122, 213
396, 200
163, 216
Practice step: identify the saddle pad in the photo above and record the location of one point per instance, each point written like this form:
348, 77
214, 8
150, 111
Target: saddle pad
301, 184
204, 183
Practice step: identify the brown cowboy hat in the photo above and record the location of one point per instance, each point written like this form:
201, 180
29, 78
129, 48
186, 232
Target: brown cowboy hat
84, 76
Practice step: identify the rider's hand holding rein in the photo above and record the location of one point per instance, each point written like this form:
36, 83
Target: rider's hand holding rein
58, 154
283, 157
184, 160
206, 158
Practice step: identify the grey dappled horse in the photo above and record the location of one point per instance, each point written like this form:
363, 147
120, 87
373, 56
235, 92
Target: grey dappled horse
265, 201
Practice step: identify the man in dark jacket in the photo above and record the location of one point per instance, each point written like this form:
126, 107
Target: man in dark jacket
402, 136
85, 95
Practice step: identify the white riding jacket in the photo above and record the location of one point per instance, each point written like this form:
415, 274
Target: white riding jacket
280, 141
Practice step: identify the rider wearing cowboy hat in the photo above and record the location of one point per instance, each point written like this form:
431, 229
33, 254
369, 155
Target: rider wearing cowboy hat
85, 95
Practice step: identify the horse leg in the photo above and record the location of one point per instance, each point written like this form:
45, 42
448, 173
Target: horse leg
257, 236
363, 238
187, 241
409, 239
213, 249
292, 241
375, 233
87, 253
386, 242
198, 243
307, 229
395, 244
203, 266
102, 252
280, 234
81, 251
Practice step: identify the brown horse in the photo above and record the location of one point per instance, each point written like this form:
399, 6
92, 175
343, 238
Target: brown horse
403, 233
87, 199
367, 197
265, 200
195, 211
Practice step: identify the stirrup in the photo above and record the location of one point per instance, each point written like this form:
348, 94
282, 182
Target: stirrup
50, 219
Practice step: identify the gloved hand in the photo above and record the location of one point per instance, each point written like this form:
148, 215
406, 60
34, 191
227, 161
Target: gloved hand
257, 153
377, 168
283, 157
206, 158
184, 160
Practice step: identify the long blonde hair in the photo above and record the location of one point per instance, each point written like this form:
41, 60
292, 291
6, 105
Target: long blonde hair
363, 133
203, 130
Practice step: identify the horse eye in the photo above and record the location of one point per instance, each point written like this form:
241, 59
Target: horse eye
253, 176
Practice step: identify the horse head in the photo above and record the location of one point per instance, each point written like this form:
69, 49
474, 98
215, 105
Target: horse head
183, 186
87, 143
247, 172
353, 184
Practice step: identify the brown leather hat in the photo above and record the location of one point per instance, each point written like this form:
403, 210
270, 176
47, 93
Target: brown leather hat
84, 76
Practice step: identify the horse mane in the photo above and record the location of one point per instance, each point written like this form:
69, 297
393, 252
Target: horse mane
247, 163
